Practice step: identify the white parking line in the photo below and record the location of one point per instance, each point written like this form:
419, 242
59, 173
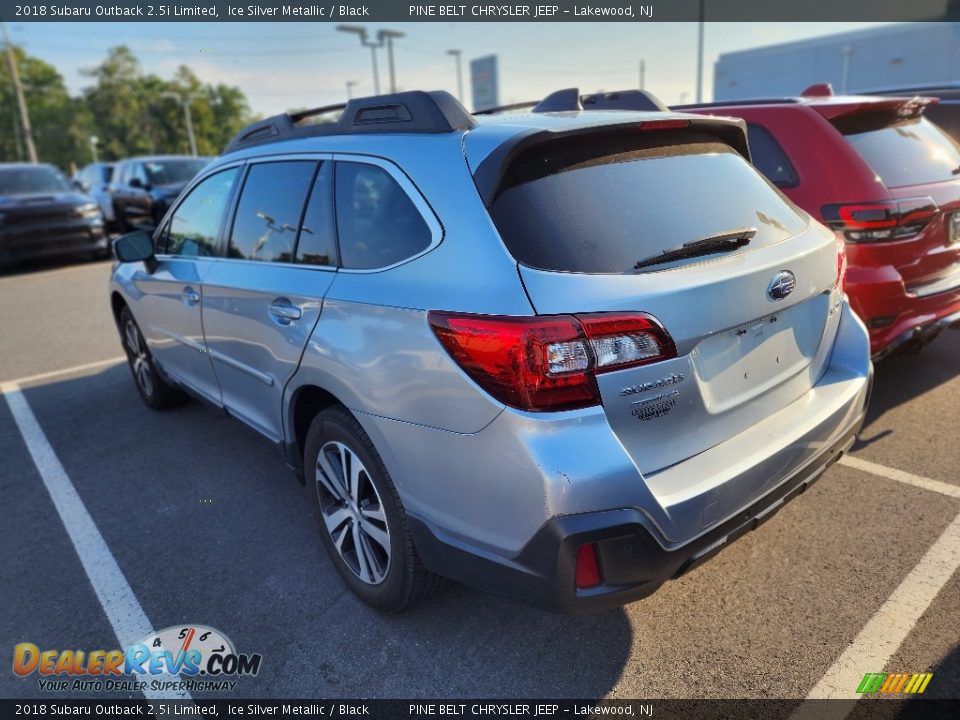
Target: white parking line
58, 373
901, 476
872, 648
123, 610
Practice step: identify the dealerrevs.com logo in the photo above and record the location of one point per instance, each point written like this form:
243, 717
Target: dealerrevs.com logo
203, 658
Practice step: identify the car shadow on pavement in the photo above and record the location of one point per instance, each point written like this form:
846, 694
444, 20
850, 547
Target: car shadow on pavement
209, 526
901, 378
944, 685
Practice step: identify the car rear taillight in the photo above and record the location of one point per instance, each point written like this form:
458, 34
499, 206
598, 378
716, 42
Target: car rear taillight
586, 573
880, 221
549, 362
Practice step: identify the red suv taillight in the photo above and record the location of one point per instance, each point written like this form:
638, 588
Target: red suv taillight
880, 221
549, 362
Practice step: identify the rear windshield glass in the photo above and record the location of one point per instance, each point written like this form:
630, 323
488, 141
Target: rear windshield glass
27, 179
173, 172
912, 152
592, 207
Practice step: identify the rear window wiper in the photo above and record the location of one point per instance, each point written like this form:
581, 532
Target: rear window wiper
722, 242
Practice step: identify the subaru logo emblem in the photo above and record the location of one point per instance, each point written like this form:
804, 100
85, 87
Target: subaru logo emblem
782, 285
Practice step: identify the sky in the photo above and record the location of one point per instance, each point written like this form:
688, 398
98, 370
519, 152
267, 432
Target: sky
294, 65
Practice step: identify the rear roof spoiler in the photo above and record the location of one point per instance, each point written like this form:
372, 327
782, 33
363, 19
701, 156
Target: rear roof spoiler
491, 171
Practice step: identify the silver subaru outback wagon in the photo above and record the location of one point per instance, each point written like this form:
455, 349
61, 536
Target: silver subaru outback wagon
564, 355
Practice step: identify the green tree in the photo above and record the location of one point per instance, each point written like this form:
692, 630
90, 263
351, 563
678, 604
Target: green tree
60, 123
136, 113
129, 111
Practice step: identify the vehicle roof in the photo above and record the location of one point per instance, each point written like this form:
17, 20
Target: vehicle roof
488, 133
13, 165
154, 158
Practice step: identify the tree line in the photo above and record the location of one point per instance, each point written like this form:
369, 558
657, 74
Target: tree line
126, 110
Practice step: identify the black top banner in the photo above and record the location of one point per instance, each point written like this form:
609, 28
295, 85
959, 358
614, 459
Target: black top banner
516, 11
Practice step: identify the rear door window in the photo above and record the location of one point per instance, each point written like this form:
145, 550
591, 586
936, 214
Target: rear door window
911, 152
269, 211
594, 206
318, 238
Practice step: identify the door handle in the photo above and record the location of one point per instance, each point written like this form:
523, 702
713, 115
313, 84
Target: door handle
285, 311
190, 296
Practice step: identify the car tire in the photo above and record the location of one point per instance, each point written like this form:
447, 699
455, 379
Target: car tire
387, 573
153, 389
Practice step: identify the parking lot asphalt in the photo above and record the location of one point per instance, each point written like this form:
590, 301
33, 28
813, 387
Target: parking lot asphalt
208, 527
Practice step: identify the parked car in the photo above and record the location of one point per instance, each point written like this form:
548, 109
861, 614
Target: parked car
94, 180
888, 180
564, 355
945, 112
144, 187
43, 215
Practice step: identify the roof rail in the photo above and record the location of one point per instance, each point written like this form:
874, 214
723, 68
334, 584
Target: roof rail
407, 112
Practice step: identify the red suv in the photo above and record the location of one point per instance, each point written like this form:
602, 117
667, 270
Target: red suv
887, 179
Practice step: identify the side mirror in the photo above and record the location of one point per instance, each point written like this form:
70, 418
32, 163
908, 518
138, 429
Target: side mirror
136, 247
138, 183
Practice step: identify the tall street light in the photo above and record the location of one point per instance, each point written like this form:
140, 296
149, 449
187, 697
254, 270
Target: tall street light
361, 32
388, 36
700, 51
184, 101
21, 102
457, 54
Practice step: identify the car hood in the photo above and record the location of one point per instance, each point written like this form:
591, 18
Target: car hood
41, 200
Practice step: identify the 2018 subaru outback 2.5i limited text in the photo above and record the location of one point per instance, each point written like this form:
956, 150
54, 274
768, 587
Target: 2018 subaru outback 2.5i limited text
564, 355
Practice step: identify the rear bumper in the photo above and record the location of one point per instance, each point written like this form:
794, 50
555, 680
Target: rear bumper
897, 318
505, 509
634, 561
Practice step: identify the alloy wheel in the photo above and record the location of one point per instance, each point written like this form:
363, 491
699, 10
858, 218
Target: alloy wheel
353, 513
138, 358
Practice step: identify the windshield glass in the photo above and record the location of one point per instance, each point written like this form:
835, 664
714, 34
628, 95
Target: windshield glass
912, 152
29, 179
173, 172
593, 208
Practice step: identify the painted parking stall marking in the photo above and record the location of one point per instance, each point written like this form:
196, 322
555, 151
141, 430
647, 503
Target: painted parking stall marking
123, 610
901, 476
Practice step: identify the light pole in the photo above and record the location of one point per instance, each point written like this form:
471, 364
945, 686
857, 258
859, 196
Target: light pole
184, 101
388, 36
361, 32
21, 102
93, 147
350, 85
700, 52
457, 54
